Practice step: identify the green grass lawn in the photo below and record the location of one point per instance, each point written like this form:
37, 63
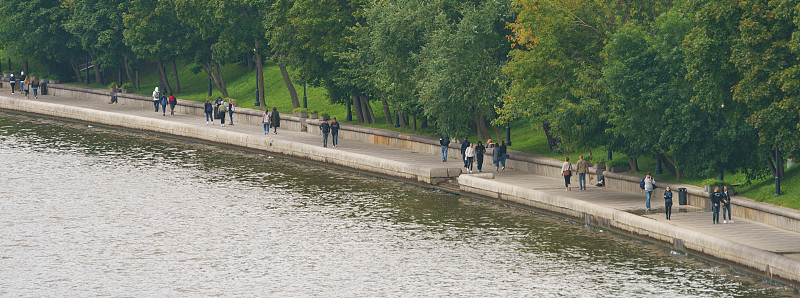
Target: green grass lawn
525, 138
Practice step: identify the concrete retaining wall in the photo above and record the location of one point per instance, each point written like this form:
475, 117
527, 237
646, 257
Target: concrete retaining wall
742, 207
315, 153
770, 264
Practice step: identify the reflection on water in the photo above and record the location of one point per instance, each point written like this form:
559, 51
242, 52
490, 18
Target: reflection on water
92, 211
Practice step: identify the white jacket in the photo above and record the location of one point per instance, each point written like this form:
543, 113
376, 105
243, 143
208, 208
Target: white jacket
470, 152
155, 94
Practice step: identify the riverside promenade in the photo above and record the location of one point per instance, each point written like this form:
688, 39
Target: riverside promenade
760, 248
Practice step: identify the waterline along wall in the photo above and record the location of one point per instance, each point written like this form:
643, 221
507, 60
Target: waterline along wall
772, 265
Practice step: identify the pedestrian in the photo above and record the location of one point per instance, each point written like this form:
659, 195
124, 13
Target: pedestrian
566, 171
276, 120
231, 107
582, 169
113, 94
164, 105
726, 205
325, 127
209, 109
647, 186
172, 102
335, 132
601, 181
26, 85
444, 141
501, 156
480, 150
156, 98
13, 81
35, 83
464, 145
265, 120
221, 111
22, 78
716, 200
469, 154
668, 202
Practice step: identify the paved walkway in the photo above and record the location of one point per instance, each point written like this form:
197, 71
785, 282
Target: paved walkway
746, 232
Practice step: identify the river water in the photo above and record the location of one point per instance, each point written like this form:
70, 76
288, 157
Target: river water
88, 211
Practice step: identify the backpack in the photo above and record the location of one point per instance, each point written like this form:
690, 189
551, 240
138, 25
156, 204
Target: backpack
641, 184
222, 108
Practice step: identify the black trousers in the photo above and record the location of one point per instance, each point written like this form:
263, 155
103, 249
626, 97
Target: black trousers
668, 209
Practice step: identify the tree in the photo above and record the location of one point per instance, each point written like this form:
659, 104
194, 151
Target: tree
153, 34
98, 26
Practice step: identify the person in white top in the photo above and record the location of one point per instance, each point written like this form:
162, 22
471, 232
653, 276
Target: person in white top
469, 156
566, 171
156, 98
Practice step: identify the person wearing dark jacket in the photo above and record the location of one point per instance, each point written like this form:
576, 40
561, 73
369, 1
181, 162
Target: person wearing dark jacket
501, 155
13, 81
464, 145
326, 129
172, 102
480, 150
164, 105
716, 200
445, 142
209, 109
726, 205
231, 107
275, 122
335, 132
668, 202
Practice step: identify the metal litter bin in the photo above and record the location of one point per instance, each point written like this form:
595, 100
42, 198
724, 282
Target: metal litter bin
683, 196
43, 88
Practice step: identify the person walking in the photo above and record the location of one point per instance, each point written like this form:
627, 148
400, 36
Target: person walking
469, 154
231, 107
26, 85
501, 156
647, 186
566, 171
209, 109
13, 81
164, 104
172, 102
156, 98
444, 141
335, 132
265, 120
326, 129
480, 150
716, 200
582, 169
726, 205
35, 85
464, 145
668, 202
275, 120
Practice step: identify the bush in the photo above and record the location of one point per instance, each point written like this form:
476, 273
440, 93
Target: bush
299, 110
54, 77
618, 162
713, 182
127, 86
323, 114
112, 85
315, 112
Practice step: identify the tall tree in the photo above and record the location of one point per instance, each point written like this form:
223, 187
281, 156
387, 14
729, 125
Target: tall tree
153, 33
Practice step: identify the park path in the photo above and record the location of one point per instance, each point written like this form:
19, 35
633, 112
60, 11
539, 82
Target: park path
746, 232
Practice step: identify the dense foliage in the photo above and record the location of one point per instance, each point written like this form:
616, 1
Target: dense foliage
703, 86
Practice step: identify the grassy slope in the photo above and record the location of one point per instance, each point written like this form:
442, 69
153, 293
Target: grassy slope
241, 86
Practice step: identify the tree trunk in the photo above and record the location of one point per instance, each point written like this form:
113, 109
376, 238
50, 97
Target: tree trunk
213, 76
779, 160
424, 121
669, 164
403, 121
77, 72
415, 122
25, 67
98, 78
633, 163
370, 110
550, 140
175, 74
221, 80
480, 125
163, 77
364, 108
496, 132
128, 73
289, 85
250, 59
771, 165
357, 107
260, 79
138, 84
386, 113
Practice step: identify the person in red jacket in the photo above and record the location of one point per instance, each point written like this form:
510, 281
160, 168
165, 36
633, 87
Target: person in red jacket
172, 102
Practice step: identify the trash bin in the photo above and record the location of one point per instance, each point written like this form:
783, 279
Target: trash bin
43, 87
683, 196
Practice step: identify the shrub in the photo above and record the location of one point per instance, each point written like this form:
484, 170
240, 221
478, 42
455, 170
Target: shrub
618, 162
323, 114
315, 112
127, 86
299, 110
112, 85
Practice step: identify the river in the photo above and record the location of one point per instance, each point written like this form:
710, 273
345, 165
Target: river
91, 211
